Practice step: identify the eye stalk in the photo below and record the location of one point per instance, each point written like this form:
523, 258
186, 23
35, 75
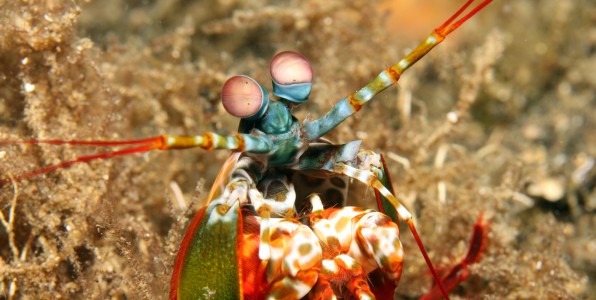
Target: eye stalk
292, 76
244, 98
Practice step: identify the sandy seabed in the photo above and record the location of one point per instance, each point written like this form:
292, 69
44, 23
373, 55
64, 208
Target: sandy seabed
519, 76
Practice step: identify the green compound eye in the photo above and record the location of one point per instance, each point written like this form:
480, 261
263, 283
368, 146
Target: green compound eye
243, 97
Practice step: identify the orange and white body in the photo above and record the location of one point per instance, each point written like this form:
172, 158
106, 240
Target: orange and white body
356, 242
334, 256
295, 261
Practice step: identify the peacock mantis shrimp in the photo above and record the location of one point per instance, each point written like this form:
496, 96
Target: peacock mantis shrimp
249, 241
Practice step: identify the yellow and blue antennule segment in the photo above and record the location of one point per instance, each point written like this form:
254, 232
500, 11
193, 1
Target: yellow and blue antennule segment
353, 103
244, 97
291, 75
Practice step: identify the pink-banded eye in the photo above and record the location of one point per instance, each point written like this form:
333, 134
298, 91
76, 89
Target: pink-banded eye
243, 97
290, 67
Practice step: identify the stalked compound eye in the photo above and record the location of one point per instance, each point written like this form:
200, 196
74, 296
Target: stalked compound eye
292, 76
291, 67
244, 98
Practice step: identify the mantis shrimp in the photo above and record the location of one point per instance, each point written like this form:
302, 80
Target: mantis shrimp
249, 241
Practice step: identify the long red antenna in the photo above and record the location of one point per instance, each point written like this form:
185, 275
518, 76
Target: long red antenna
147, 144
446, 28
208, 141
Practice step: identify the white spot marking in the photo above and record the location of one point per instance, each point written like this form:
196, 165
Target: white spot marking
170, 141
364, 176
404, 63
216, 140
330, 266
404, 213
302, 288
29, 87
348, 261
384, 76
365, 94
452, 117
431, 40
